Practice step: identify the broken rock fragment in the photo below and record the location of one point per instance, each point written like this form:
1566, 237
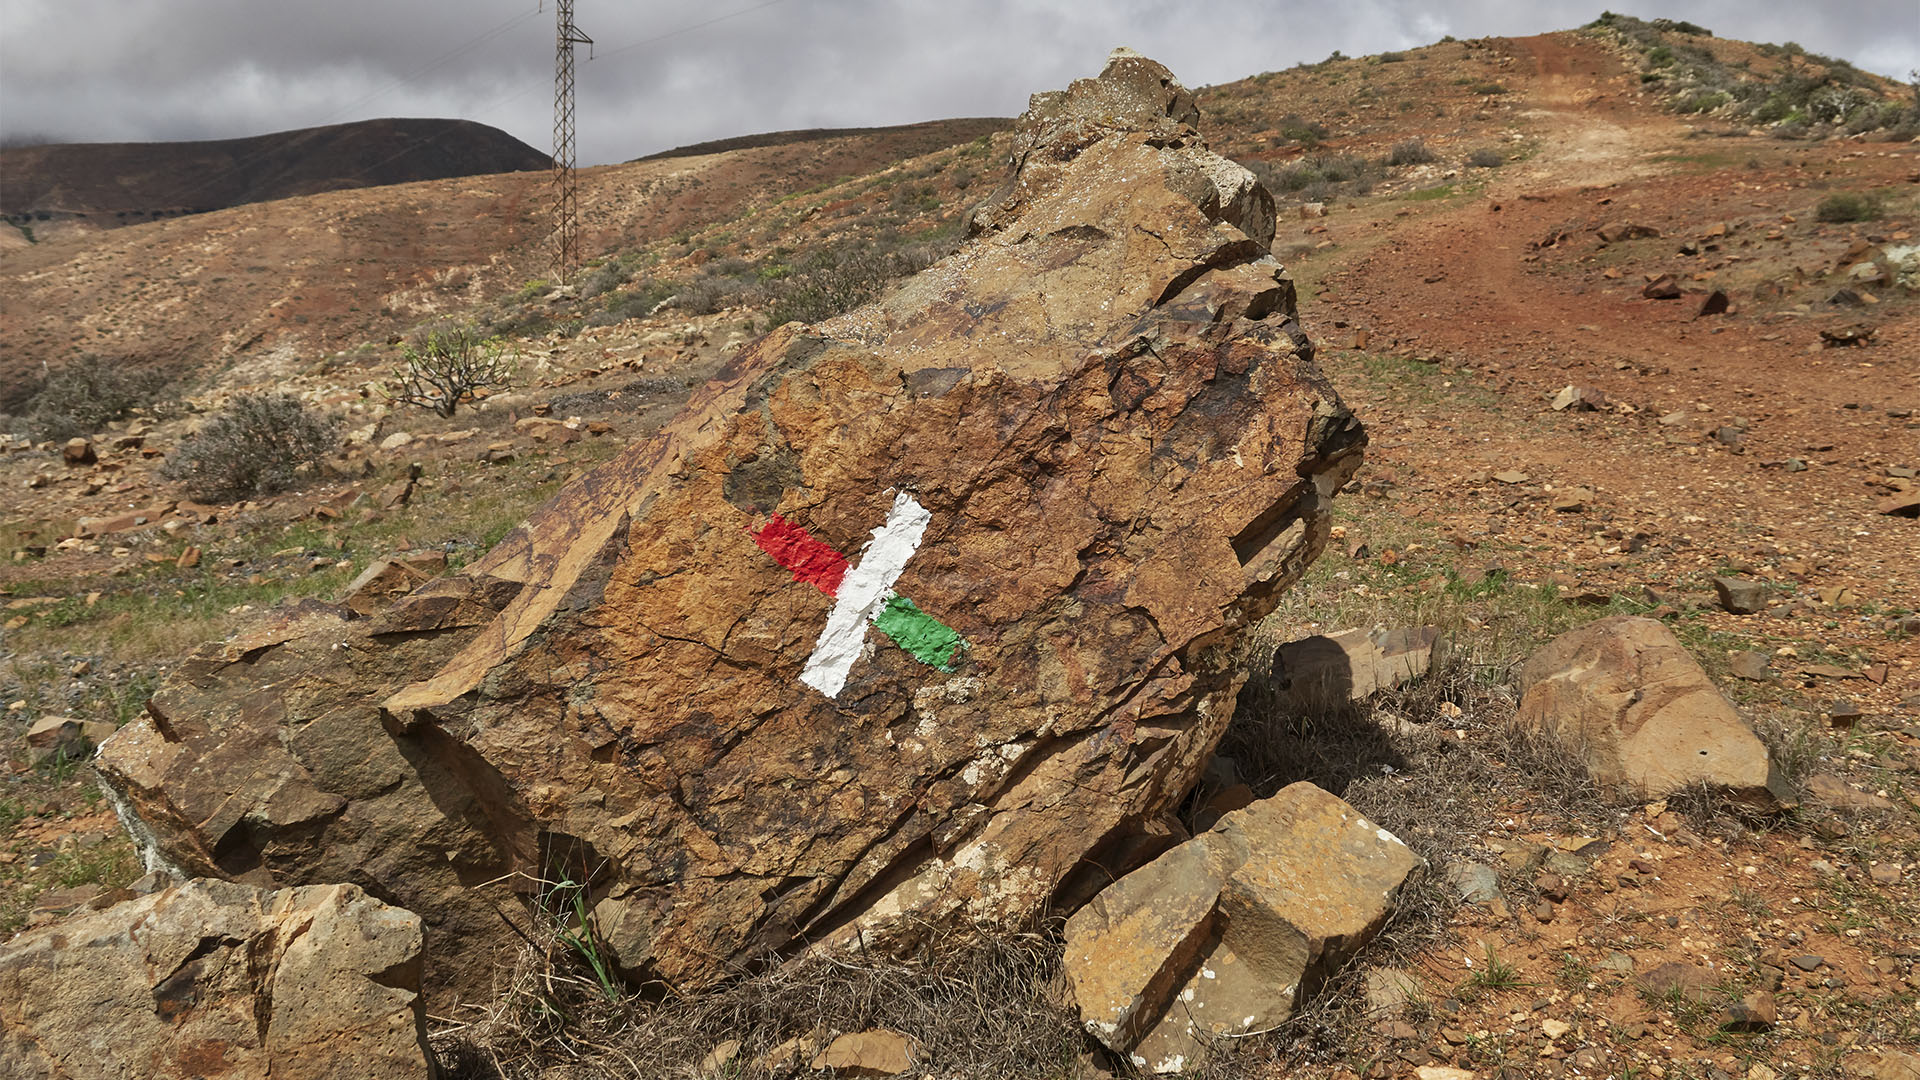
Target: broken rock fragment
217, 978
1224, 934
908, 621
1624, 696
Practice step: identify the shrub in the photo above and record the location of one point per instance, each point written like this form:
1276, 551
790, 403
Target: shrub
1486, 157
1844, 206
448, 366
1410, 152
84, 396
255, 447
1486, 89
604, 278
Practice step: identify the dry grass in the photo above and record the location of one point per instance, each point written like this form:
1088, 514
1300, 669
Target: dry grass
986, 1007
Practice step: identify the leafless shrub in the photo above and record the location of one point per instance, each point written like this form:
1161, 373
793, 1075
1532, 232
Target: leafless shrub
82, 397
1486, 157
446, 367
256, 447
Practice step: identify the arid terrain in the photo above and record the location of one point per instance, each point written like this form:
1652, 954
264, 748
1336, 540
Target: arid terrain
1478, 232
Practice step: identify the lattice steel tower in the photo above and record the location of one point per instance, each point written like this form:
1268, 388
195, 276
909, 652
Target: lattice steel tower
566, 214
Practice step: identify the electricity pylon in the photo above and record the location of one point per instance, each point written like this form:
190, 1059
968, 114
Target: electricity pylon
566, 211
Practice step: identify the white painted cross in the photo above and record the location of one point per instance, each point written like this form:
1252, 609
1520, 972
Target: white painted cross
863, 594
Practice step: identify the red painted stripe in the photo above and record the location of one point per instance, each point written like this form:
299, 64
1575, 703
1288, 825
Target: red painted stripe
810, 560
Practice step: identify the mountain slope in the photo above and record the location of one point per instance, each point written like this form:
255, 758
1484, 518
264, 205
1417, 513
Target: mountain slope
111, 184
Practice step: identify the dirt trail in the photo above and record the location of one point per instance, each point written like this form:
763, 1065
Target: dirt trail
1510, 285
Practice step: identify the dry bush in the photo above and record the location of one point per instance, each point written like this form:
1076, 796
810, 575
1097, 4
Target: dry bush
983, 1006
256, 447
1410, 152
86, 395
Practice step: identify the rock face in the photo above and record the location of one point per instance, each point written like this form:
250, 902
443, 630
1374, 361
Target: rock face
213, 978
1625, 695
1217, 937
909, 618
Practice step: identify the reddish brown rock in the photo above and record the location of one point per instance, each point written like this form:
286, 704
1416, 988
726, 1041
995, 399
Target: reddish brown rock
1624, 696
381, 583
1092, 444
213, 978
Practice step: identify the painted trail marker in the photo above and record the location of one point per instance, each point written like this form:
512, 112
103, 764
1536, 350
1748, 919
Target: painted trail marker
863, 594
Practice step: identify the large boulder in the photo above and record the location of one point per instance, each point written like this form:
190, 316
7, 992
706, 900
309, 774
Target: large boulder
213, 978
1626, 699
909, 618
1221, 936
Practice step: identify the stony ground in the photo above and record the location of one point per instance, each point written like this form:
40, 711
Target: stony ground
1452, 305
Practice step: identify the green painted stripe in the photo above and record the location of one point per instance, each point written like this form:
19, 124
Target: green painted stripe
931, 641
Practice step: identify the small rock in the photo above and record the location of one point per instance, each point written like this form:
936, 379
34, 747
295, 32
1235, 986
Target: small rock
1579, 399
1885, 1065
1555, 1028
78, 452
1475, 882
1543, 910
1716, 303
1884, 873
1572, 500
719, 1057
1754, 1013
396, 440
1511, 476
1749, 665
1694, 983
1740, 596
1808, 962
1830, 789
1664, 287
879, 1052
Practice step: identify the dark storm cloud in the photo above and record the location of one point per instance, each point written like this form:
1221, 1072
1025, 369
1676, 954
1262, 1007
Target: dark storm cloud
668, 73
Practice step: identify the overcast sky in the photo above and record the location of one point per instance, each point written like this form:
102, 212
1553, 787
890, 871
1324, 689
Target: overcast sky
669, 72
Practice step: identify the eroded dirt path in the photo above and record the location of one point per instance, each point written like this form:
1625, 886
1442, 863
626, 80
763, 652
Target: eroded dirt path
1772, 449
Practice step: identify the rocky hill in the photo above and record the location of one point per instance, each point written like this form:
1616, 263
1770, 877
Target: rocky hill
1598, 711
45, 189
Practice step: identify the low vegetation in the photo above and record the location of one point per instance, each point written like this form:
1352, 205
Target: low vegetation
1800, 95
86, 395
449, 366
259, 445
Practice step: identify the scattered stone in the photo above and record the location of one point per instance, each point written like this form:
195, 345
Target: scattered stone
1349, 666
1884, 873
1694, 983
1664, 287
717, 1059
65, 737
1214, 937
879, 1052
1883, 1065
1847, 337
79, 451
396, 440
1739, 596
1808, 962
1751, 666
1442, 1072
189, 558
1751, 1014
1511, 476
1716, 303
1903, 503
1390, 990
380, 584
1572, 500
218, 978
1844, 714
1616, 231
1476, 882
658, 674
1624, 696
1579, 399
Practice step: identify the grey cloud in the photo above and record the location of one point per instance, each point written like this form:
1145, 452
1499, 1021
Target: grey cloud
171, 69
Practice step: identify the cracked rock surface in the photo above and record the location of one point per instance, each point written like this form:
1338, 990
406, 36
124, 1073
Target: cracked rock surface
1121, 454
